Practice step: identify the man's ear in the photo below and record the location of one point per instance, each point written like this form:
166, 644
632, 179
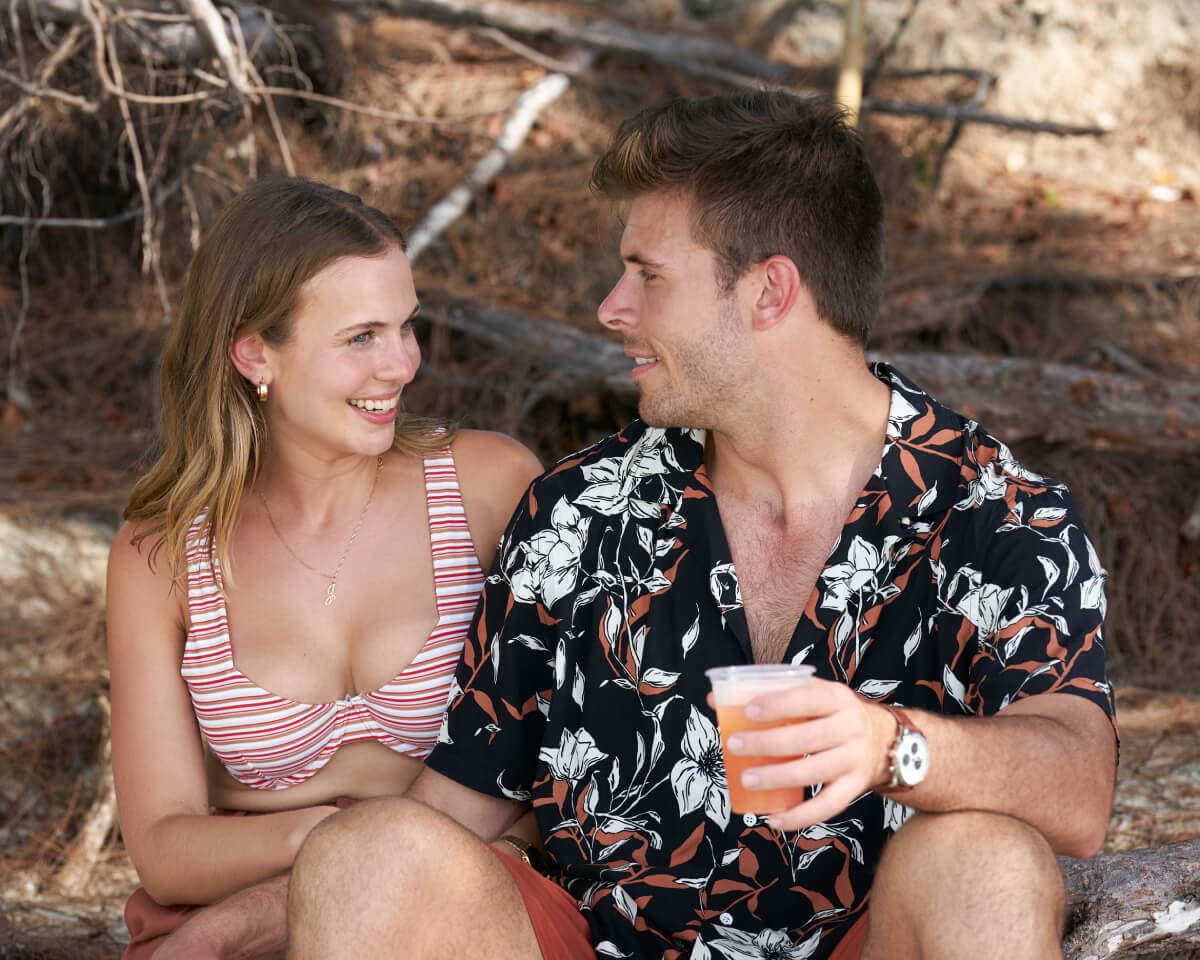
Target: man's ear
778, 288
249, 356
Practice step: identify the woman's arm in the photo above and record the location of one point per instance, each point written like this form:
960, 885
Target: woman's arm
182, 854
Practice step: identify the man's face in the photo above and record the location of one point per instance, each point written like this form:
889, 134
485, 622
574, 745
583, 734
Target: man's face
689, 339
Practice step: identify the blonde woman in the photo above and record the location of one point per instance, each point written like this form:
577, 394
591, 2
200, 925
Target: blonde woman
289, 594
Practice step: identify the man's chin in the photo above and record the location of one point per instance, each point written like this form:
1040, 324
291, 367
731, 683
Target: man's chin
663, 417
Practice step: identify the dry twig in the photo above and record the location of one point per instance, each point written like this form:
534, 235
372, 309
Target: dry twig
524, 112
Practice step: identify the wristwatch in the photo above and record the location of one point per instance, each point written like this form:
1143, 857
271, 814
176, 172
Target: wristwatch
908, 758
527, 852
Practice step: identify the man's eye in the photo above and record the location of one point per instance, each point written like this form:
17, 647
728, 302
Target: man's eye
647, 276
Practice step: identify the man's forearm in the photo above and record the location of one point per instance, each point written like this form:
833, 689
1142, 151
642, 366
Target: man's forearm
1047, 760
248, 925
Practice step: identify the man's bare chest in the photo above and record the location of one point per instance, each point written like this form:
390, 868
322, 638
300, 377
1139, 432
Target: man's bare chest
777, 573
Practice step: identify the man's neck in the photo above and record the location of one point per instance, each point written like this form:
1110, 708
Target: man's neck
821, 439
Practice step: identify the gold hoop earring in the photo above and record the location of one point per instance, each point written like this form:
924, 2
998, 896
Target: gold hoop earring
262, 390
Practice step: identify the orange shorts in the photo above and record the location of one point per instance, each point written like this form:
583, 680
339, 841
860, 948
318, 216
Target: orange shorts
561, 931
563, 934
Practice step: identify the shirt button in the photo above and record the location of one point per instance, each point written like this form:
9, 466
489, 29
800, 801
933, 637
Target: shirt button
750, 819
726, 918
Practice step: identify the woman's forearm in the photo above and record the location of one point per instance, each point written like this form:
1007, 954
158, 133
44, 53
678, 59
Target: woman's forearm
188, 858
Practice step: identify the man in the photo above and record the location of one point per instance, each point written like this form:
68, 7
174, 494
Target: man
750, 516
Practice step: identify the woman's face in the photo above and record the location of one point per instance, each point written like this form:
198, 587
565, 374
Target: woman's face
336, 382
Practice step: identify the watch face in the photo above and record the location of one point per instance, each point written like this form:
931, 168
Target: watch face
912, 756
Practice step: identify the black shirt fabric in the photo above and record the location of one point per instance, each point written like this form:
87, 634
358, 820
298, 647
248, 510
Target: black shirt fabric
961, 582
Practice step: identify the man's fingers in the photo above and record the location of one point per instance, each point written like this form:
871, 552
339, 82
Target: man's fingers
824, 767
789, 740
811, 698
833, 799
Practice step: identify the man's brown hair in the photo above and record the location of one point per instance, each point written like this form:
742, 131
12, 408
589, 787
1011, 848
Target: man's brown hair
767, 173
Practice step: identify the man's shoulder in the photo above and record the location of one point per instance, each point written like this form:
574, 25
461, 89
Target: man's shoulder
624, 457
988, 471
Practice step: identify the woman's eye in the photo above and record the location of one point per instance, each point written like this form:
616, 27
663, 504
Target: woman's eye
363, 337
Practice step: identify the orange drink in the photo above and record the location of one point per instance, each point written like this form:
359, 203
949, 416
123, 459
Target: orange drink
734, 687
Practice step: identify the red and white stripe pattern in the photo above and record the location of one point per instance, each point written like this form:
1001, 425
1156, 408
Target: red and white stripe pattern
270, 743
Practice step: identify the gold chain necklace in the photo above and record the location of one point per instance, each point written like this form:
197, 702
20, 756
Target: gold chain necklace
331, 589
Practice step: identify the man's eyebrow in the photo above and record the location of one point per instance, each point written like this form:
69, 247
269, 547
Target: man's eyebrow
642, 261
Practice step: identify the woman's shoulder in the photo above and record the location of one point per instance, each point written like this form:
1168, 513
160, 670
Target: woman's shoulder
494, 471
497, 458
138, 551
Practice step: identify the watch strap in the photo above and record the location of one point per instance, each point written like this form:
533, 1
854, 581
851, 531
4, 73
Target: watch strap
904, 725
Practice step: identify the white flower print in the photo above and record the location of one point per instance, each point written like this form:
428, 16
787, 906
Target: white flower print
612, 481
858, 574
895, 815
983, 603
575, 755
698, 778
1091, 590
724, 587
900, 411
989, 485
550, 558
764, 945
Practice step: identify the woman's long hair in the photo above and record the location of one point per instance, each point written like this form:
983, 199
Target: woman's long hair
245, 278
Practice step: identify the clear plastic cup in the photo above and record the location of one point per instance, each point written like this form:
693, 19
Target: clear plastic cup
733, 687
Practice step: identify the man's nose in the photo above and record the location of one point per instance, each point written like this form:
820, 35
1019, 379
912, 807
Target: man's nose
615, 310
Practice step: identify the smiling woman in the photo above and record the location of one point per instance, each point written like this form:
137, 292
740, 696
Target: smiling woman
288, 597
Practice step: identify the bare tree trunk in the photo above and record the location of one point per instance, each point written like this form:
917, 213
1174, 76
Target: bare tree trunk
850, 75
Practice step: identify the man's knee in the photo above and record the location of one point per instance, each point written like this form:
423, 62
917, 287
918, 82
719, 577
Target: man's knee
973, 851
363, 846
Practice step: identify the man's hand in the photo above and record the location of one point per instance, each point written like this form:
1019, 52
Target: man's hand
828, 735
1049, 759
248, 925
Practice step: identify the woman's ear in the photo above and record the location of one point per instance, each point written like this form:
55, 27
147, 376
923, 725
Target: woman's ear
249, 356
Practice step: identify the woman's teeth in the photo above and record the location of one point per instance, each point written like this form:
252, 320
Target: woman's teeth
375, 406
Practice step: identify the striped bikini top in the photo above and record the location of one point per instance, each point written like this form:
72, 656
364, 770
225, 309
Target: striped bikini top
269, 742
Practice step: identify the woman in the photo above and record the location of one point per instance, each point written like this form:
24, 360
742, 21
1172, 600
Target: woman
288, 596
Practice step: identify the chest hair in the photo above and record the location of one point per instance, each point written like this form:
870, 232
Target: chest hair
777, 572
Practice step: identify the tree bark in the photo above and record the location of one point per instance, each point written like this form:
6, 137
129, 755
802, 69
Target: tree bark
1134, 903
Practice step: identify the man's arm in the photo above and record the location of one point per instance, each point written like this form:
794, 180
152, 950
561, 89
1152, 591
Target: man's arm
485, 816
248, 925
1049, 759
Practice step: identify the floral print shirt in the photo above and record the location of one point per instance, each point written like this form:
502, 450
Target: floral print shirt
961, 581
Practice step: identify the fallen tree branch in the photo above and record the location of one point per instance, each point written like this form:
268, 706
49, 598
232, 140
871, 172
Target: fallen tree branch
697, 56
1133, 903
1018, 397
683, 52
969, 114
524, 112
1015, 396
72, 879
212, 28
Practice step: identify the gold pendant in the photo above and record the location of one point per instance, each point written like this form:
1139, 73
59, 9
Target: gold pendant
330, 596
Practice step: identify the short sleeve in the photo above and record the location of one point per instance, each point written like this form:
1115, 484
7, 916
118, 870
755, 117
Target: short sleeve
1035, 606
494, 722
